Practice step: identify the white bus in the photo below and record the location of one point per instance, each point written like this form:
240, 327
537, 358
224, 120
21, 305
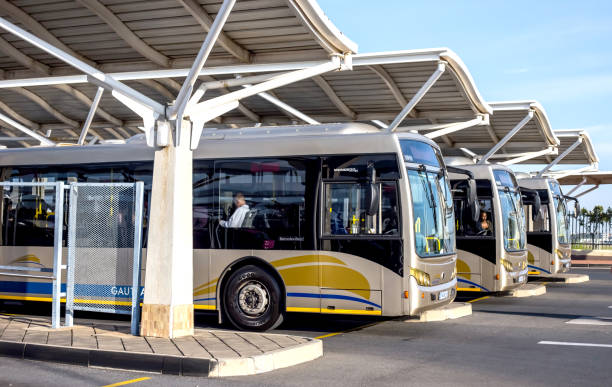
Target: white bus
548, 239
340, 219
491, 247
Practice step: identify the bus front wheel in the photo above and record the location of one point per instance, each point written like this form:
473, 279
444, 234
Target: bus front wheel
252, 299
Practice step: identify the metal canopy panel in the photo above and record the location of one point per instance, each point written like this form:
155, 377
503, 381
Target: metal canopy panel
536, 135
590, 178
583, 154
124, 36
377, 88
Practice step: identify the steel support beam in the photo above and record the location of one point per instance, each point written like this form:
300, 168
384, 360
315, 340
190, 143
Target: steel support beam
386, 78
417, 97
94, 75
519, 158
333, 97
586, 191
281, 80
203, 18
90, 115
211, 37
43, 140
582, 182
125, 33
560, 157
451, 128
287, 108
507, 137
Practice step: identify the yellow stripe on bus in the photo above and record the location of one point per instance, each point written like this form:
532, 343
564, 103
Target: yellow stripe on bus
304, 310
469, 290
351, 311
101, 302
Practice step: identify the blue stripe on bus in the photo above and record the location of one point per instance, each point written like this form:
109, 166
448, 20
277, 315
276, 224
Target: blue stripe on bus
205, 299
47, 288
539, 268
472, 283
334, 296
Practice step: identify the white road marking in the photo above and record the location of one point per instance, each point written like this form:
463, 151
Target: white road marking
575, 344
591, 321
610, 306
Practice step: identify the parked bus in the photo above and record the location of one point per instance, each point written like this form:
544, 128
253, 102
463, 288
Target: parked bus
491, 246
339, 219
548, 239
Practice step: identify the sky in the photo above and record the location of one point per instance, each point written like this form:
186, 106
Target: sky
556, 52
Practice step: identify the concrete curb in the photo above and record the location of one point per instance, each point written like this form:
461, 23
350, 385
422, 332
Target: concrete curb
448, 312
165, 364
527, 290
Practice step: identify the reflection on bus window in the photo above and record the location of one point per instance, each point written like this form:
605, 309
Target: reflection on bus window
434, 227
561, 216
513, 219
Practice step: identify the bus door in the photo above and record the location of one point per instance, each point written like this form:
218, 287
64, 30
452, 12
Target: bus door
360, 241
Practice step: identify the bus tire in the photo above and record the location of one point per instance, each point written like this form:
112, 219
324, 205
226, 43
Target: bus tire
252, 299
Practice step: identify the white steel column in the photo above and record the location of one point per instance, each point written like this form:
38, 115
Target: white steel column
507, 137
582, 182
417, 97
168, 301
451, 128
560, 157
90, 115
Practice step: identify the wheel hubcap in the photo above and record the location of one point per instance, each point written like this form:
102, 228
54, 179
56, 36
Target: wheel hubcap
253, 298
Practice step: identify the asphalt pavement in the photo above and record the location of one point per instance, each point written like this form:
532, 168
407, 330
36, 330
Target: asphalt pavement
561, 338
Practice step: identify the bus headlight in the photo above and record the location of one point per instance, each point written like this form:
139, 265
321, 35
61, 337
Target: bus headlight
421, 277
523, 265
454, 273
507, 265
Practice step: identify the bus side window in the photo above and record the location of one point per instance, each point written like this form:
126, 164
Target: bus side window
273, 193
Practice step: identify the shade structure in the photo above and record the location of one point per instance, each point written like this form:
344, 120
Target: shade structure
133, 36
587, 178
377, 87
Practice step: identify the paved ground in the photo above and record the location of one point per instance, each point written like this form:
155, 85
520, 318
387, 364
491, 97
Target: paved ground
498, 345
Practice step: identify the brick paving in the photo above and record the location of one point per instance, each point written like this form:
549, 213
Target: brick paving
204, 344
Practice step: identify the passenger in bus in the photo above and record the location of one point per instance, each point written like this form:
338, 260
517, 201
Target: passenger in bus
484, 224
242, 209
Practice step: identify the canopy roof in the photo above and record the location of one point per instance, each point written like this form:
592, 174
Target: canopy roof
590, 178
535, 135
377, 88
120, 35
583, 154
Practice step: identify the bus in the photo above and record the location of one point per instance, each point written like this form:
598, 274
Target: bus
491, 246
548, 240
340, 219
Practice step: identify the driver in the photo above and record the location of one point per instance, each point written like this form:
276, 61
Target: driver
484, 224
242, 209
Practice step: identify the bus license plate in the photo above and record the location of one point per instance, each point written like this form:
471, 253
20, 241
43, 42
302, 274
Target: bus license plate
521, 278
443, 295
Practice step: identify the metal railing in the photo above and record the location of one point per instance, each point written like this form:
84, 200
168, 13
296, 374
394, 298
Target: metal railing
586, 234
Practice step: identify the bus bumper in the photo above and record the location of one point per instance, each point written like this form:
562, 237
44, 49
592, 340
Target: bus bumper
423, 298
513, 279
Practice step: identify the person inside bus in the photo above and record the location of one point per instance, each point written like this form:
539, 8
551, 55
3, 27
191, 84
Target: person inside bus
242, 209
484, 225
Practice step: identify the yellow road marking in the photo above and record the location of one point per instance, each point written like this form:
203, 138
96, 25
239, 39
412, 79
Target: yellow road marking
349, 330
128, 382
478, 299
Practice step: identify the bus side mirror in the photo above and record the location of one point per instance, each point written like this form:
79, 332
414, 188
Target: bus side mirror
372, 197
472, 198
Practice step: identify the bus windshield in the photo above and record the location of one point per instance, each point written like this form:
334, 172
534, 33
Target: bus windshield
433, 213
513, 220
561, 216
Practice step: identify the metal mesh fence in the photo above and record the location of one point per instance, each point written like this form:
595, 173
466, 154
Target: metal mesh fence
101, 244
